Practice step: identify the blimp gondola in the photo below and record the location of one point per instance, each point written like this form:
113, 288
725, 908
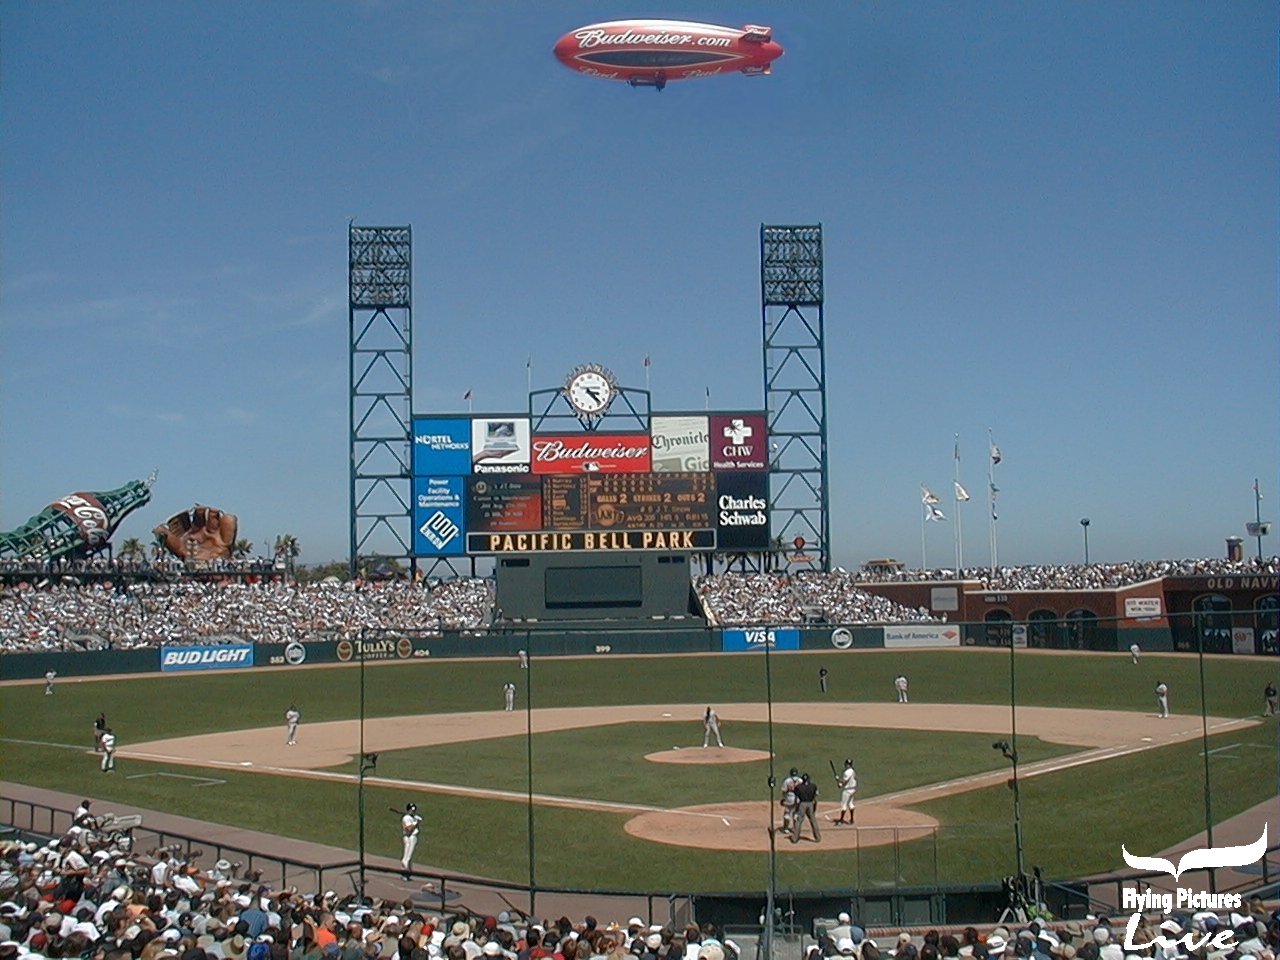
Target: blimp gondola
652, 53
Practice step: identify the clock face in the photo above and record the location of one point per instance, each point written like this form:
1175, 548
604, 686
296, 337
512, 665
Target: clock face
590, 392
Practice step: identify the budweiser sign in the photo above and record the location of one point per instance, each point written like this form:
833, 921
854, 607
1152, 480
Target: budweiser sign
622, 453
596, 36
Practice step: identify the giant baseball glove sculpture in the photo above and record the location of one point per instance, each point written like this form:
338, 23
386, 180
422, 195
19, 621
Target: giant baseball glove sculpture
201, 533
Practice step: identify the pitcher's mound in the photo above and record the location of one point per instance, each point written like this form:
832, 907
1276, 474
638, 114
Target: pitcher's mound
745, 826
707, 755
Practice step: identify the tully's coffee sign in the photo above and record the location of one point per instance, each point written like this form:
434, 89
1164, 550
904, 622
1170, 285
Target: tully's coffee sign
386, 649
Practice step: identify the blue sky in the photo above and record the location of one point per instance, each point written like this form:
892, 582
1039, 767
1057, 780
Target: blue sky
1054, 220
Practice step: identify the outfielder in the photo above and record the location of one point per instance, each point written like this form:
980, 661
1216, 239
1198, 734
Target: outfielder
409, 826
509, 693
48, 682
291, 718
1135, 652
900, 684
1270, 700
822, 679
710, 727
848, 783
108, 751
1162, 698
524, 659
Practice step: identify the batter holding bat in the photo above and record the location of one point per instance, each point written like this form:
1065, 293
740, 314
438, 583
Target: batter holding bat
847, 781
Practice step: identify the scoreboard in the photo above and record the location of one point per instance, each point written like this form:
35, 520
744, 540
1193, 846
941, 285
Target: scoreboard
492, 486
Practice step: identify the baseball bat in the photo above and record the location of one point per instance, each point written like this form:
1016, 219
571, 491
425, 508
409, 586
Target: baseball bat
833, 769
395, 811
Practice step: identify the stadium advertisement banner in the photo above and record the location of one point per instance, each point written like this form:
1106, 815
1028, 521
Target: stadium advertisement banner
500, 445
438, 517
742, 511
441, 446
922, 635
758, 638
552, 541
739, 442
220, 657
680, 445
591, 453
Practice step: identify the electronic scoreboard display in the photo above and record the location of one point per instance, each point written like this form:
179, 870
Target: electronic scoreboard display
620, 511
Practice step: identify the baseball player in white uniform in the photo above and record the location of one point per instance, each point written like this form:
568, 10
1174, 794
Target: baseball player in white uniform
1162, 698
789, 801
509, 694
711, 727
291, 718
48, 682
524, 659
900, 684
108, 751
1135, 652
848, 783
410, 824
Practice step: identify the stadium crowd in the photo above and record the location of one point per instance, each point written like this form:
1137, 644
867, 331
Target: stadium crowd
93, 616
778, 598
65, 614
88, 894
1073, 576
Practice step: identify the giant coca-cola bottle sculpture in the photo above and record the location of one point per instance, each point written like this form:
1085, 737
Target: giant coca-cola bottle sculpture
76, 525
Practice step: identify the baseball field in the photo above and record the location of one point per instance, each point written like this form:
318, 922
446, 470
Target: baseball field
600, 768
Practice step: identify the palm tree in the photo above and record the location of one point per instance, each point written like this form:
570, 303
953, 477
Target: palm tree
132, 549
159, 545
287, 549
241, 548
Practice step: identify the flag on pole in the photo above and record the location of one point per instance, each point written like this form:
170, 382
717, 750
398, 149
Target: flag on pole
927, 496
995, 454
647, 362
467, 395
1257, 494
934, 515
528, 363
956, 452
961, 493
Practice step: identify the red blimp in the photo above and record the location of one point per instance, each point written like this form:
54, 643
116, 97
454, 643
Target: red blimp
649, 53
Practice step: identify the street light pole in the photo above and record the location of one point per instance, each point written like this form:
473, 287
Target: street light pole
1084, 523
771, 890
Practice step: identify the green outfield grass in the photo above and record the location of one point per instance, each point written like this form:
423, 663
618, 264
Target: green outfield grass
1074, 820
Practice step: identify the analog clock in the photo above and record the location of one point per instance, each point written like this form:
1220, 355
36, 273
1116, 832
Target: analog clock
590, 392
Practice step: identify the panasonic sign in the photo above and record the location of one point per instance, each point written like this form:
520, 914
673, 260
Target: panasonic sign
206, 658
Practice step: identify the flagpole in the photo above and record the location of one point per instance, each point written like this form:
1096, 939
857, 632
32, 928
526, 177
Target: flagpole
991, 494
956, 491
924, 556
528, 369
648, 363
1257, 515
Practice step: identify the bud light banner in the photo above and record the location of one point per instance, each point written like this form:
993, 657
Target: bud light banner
732, 641
221, 657
441, 446
591, 453
742, 511
438, 521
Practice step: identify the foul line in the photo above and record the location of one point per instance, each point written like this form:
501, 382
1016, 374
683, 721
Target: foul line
204, 781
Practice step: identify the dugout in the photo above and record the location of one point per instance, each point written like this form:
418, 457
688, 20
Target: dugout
634, 585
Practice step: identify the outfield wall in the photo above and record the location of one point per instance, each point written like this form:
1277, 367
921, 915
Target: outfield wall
554, 642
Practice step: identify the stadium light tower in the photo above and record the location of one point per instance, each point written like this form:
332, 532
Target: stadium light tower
1084, 525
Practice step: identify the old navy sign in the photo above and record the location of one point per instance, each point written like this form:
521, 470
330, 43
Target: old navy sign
759, 639
591, 453
221, 657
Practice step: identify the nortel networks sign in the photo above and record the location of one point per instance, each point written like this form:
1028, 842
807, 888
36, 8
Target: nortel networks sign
206, 658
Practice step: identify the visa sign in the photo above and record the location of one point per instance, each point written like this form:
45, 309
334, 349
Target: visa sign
758, 638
